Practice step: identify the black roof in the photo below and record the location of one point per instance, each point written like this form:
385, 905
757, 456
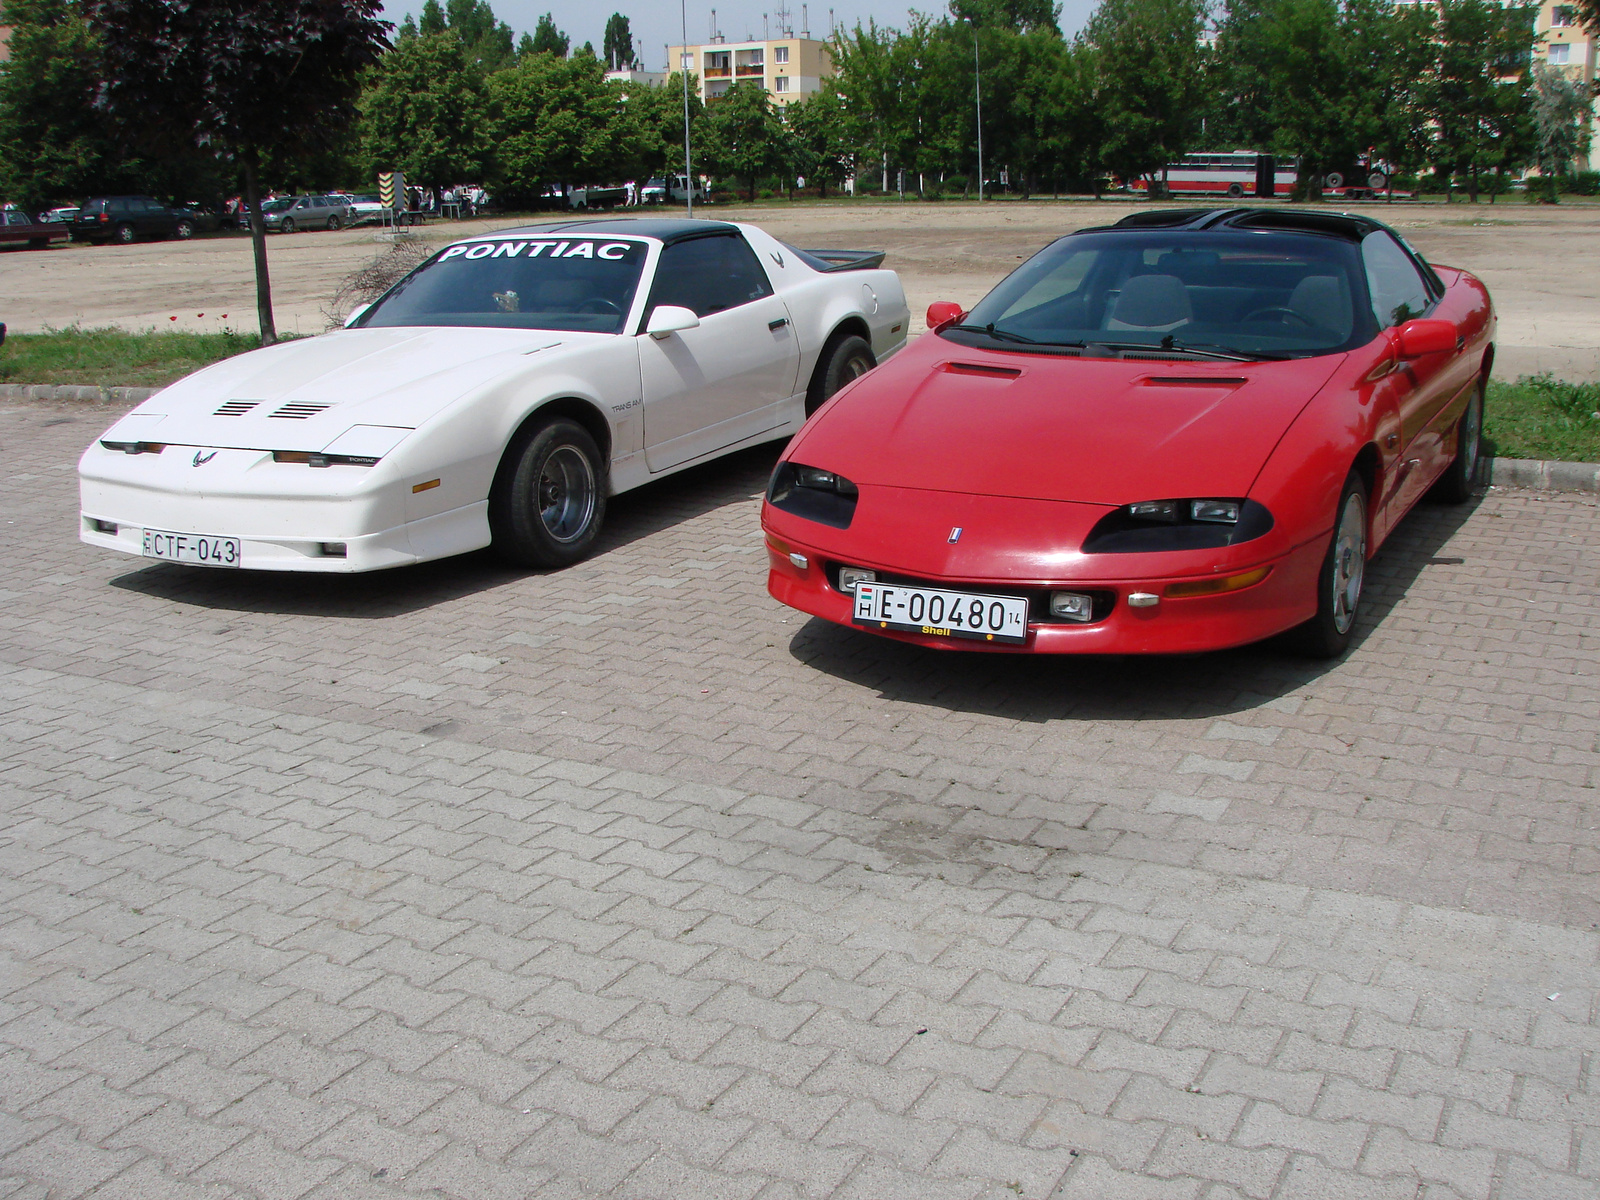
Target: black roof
665, 229
1348, 226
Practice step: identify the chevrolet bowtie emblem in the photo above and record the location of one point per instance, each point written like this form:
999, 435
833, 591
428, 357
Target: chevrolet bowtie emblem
955, 535
201, 457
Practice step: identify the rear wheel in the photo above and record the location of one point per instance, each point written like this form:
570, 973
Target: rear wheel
124, 234
843, 360
335, 223
550, 498
1339, 583
1455, 485
1236, 190
184, 230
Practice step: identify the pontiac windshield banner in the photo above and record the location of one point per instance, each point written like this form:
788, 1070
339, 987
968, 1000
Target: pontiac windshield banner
610, 251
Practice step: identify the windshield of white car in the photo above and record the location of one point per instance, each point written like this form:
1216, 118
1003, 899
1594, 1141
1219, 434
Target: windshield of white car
276, 205
581, 284
1251, 295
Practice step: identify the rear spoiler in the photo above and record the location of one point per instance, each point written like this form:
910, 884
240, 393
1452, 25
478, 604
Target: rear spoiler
846, 260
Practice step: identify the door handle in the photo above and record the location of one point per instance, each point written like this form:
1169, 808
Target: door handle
778, 324
1392, 440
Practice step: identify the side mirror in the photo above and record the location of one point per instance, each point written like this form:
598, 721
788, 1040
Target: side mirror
355, 314
1427, 336
668, 319
942, 312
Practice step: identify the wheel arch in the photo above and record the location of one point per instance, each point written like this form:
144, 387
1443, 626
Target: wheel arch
573, 408
1369, 466
853, 325
1488, 362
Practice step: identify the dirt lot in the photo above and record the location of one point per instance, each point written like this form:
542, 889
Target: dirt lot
1542, 264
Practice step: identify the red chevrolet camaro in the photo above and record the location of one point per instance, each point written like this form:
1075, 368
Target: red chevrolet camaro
1186, 431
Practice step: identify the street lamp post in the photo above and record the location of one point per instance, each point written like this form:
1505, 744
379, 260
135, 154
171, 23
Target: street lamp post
977, 81
688, 166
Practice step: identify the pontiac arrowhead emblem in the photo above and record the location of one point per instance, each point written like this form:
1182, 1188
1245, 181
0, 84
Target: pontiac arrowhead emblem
201, 457
955, 535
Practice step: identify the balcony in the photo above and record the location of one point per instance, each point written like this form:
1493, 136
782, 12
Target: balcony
718, 72
751, 70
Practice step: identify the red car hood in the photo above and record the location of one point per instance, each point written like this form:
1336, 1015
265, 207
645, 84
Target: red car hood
943, 417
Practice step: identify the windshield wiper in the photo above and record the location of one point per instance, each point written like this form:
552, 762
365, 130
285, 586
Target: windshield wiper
1001, 335
1226, 353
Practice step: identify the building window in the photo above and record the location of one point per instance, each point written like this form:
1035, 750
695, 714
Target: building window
1563, 15
687, 62
781, 53
781, 84
1560, 54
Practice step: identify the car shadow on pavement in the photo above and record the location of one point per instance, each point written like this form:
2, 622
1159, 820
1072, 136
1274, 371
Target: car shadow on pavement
633, 516
1121, 687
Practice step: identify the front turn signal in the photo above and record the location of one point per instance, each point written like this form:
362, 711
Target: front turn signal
1213, 587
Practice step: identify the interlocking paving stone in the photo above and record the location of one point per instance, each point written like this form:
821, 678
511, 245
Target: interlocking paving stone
625, 881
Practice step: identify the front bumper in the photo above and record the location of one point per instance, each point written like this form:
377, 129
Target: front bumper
340, 519
1174, 625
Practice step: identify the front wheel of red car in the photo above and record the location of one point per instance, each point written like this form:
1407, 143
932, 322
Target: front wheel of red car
1339, 583
1455, 485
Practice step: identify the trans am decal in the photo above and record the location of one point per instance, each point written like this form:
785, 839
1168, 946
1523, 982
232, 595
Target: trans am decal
609, 251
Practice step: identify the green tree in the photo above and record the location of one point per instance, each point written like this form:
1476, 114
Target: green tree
214, 74
547, 39
820, 137
1150, 81
423, 112
618, 44
1480, 93
487, 41
1562, 108
743, 137
432, 19
1018, 15
555, 121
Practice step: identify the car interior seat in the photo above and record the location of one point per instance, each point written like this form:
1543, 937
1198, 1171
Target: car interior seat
1322, 301
1151, 304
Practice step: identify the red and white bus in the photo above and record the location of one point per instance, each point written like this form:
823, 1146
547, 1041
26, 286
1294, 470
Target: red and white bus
1236, 174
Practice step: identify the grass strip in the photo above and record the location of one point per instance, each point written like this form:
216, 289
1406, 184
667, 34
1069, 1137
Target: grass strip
1541, 417
115, 357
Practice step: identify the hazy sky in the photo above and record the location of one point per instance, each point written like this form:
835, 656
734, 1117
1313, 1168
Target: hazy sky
657, 23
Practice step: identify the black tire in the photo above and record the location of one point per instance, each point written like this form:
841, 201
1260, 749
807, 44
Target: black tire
183, 230
287, 226
844, 359
335, 223
124, 234
1339, 582
1236, 190
1455, 485
549, 498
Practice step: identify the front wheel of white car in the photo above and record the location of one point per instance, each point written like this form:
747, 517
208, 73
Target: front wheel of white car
550, 497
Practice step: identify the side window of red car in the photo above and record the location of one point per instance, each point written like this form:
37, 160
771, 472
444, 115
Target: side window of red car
1397, 287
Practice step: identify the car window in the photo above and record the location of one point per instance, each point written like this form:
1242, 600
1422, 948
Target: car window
709, 275
579, 284
16, 218
1397, 287
1258, 295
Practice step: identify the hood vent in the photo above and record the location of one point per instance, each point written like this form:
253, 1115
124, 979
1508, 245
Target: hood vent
235, 408
299, 410
981, 369
1195, 381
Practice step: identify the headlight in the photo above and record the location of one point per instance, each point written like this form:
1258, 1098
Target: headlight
134, 447
324, 460
813, 493
1150, 526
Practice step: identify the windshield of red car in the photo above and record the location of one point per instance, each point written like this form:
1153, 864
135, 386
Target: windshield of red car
1255, 294
582, 284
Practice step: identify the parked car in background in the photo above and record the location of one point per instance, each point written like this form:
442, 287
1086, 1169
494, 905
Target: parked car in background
23, 229
293, 213
126, 219
366, 206
661, 189
208, 218
65, 213
610, 196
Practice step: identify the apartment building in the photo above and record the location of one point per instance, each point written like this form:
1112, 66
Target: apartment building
790, 68
1567, 46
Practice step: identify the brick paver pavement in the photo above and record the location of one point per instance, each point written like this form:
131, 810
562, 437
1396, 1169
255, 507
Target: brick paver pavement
625, 881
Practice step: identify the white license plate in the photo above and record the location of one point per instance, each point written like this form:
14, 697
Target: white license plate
942, 614
201, 549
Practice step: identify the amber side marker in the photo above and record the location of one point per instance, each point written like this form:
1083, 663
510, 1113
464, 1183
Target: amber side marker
1211, 587
422, 487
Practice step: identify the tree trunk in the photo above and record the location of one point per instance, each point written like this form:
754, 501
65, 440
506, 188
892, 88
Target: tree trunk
258, 244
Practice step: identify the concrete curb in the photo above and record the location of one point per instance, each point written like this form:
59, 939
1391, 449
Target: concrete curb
94, 395
1498, 472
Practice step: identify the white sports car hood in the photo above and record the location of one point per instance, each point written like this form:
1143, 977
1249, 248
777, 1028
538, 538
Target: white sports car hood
302, 395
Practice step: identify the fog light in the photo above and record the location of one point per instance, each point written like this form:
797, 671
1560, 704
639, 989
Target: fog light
850, 576
100, 526
332, 549
1071, 606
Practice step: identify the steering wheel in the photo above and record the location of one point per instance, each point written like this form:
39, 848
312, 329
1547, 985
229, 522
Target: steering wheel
1280, 313
599, 304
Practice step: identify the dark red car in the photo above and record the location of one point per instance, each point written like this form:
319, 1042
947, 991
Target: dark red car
24, 229
1186, 431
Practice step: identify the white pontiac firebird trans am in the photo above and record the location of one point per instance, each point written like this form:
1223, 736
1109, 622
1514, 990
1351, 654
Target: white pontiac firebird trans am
495, 396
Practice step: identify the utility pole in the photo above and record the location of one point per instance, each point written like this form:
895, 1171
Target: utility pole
977, 80
688, 163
